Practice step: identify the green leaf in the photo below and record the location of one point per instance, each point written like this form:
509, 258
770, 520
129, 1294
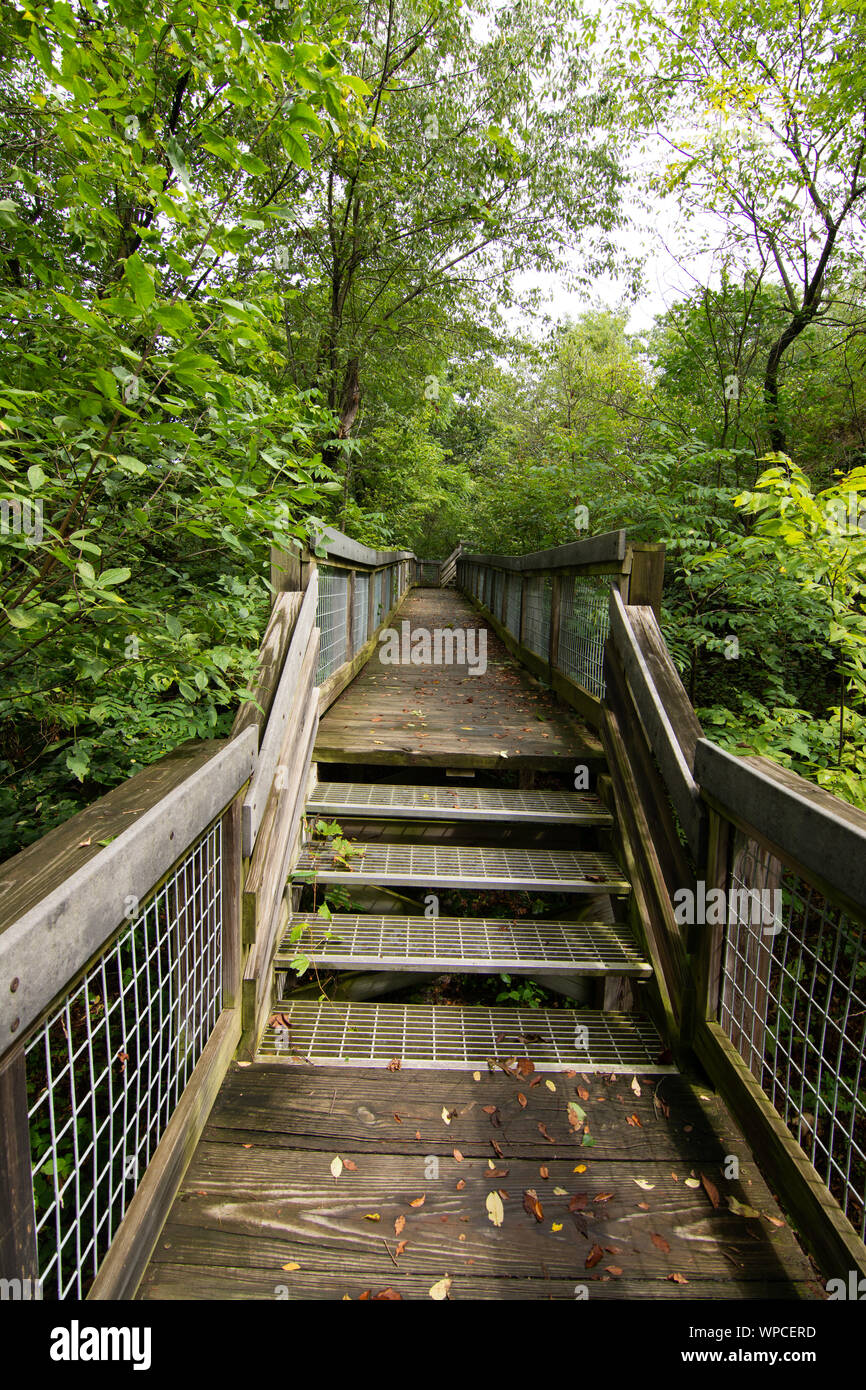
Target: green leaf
140, 281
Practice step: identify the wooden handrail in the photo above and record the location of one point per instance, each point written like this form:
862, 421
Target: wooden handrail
608, 548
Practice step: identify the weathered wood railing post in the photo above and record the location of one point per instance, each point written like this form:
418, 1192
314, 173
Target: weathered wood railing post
18, 1261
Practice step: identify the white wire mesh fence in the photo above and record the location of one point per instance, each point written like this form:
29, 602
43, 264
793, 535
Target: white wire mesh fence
332, 613
107, 1067
793, 1003
331, 620
584, 623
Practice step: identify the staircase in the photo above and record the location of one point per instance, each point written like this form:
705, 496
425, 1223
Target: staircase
390, 828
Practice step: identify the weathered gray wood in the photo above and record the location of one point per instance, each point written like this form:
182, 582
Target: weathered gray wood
646, 576
271, 655
812, 829
49, 944
657, 719
285, 570
340, 547
594, 550
132, 1246
257, 795
230, 895
261, 888
821, 1223
17, 1217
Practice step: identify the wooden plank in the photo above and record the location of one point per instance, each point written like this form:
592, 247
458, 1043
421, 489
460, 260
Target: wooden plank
610, 546
260, 887
230, 897
658, 721
649, 638
18, 1259
646, 576
285, 570
74, 912
254, 712
820, 1220
335, 545
814, 831
132, 1246
256, 798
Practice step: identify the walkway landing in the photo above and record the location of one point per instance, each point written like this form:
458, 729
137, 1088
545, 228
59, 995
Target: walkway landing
444, 716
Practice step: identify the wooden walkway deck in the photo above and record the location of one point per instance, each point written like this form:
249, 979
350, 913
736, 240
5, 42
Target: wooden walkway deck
260, 1216
444, 715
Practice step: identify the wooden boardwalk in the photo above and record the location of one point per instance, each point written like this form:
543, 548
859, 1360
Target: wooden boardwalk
260, 1216
444, 715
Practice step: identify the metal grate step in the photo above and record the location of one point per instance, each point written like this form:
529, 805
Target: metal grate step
451, 866
458, 1039
473, 945
458, 803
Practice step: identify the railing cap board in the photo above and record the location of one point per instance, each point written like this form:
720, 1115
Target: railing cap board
810, 826
594, 550
658, 717
344, 548
70, 915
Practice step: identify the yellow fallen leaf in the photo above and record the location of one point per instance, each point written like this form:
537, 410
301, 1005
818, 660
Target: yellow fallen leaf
560, 1191
446, 1117
372, 1216
495, 1209
648, 1186
440, 1291
476, 1076
635, 1085
581, 1168
557, 1226
290, 1265
550, 1086
336, 1167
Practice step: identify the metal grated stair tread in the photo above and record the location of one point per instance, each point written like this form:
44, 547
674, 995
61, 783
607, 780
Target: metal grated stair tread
457, 803
461, 1039
473, 945
452, 866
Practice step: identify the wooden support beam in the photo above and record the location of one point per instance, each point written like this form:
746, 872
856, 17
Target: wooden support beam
18, 1259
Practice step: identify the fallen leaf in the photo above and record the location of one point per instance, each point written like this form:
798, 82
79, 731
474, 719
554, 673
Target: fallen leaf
642, 1183
399, 1224
397, 1118
439, 1291
542, 1129
560, 1191
336, 1167
521, 1100
576, 1115
394, 1064
525, 1066
711, 1190
489, 1109
532, 1205
457, 1155
544, 1172
550, 1086
476, 1076
418, 1201
556, 1226
603, 1197
644, 1206
496, 1149
633, 1120
447, 1118
290, 1265
581, 1168
613, 1269
536, 1081
660, 1243
497, 1172
692, 1182
417, 1134
372, 1216
495, 1209
593, 1257
774, 1220
461, 1185
578, 1201
582, 1092
350, 1166
740, 1209
401, 1247
678, 1278
635, 1085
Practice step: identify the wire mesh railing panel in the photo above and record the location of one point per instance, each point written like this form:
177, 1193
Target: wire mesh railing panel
512, 604
584, 623
360, 604
498, 593
331, 620
378, 601
536, 615
107, 1067
793, 1003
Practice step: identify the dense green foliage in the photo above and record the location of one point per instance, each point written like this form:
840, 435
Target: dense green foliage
259, 265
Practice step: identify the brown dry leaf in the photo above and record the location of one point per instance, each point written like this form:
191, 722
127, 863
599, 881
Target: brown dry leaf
593, 1257
678, 1278
503, 1194
461, 1185
532, 1205
660, 1243
525, 1066
578, 1201
399, 1224
544, 1172
390, 1294
365, 1294
496, 1149
613, 1269
418, 1201
711, 1190
401, 1247
489, 1109
521, 1100
536, 1081
603, 1197
352, 1167
497, 1172
457, 1155
633, 1120
644, 1206
394, 1064
417, 1134
582, 1092
542, 1129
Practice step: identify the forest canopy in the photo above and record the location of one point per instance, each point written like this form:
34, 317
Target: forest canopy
264, 265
